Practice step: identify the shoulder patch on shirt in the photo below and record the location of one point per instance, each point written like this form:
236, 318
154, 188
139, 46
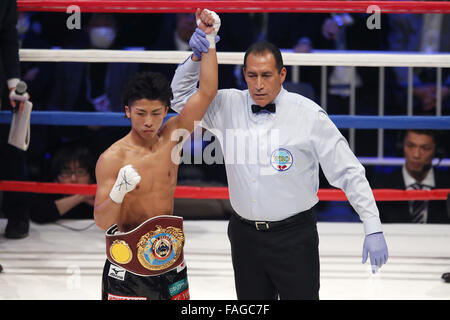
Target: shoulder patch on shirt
281, 159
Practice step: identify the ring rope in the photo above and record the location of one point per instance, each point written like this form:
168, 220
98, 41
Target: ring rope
69, 118
236, 58
316, 58
235, 6
188, 192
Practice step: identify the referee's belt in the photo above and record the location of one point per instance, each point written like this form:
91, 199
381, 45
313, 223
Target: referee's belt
153, 248
268, 225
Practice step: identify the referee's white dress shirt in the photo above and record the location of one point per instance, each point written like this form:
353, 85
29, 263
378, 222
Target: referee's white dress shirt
272, 159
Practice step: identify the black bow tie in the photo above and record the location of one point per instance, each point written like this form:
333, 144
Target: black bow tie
269, 108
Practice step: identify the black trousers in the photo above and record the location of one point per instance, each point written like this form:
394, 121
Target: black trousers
280, 262
15, 205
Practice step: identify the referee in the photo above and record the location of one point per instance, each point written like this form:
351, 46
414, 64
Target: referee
273, 235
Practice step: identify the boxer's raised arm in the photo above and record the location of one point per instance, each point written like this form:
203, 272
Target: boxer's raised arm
197, 105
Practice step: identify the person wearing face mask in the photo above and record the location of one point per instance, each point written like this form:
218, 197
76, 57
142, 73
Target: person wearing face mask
69, 165
92, 86
419, 149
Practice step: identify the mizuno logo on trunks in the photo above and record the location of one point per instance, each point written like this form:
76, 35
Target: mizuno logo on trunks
116, 272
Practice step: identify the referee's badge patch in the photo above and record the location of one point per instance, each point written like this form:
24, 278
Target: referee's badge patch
281, 159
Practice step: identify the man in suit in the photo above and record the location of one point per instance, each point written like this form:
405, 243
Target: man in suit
419, 147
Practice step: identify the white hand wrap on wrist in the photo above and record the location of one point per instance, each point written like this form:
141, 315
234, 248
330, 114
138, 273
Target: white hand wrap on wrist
127, 179
216, 25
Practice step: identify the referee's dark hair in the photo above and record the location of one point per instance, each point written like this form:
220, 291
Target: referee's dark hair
262, 47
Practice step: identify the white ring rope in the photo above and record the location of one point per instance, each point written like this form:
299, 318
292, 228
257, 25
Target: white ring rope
317, 58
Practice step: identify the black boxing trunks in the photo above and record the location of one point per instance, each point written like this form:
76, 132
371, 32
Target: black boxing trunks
146, 262
119, 284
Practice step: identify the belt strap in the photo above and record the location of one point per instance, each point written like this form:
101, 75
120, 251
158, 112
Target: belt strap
268, 225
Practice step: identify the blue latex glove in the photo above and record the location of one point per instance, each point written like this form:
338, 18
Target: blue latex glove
199, 43
375, 246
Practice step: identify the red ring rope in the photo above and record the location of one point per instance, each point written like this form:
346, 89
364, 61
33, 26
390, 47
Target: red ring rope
146, 6
188, 192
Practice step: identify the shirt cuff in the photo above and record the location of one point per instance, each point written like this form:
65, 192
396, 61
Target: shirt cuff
12, 83
372, 225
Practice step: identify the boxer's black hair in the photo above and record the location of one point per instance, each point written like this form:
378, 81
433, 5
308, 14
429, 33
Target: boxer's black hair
261, 47
147, 85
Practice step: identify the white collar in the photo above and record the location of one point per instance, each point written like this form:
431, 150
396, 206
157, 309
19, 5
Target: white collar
409, 180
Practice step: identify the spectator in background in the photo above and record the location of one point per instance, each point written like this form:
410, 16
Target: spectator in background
297, 33
239, 31
69, 165
427, 33
38, 76
307, 32
12, 160
174, 35
419, 147
242, 29
91, 87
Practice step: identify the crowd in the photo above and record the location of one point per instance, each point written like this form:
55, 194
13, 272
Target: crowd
67, 154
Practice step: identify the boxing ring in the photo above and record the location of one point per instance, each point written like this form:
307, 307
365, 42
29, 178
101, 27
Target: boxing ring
58, 263
64, 260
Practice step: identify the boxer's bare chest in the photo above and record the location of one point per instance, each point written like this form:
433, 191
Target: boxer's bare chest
154, 194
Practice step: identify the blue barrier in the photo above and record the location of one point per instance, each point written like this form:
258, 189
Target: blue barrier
65, 118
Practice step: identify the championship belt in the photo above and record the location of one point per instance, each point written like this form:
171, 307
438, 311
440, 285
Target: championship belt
153, 248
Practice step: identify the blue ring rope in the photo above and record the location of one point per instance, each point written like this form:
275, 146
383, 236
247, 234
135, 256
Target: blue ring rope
117, 119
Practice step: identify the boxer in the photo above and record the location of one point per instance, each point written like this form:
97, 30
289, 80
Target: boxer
136, 180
